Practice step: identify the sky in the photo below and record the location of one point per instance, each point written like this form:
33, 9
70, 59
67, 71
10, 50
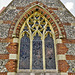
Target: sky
70, 4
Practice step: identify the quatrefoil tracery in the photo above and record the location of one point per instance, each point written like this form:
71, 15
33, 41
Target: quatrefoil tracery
36, 23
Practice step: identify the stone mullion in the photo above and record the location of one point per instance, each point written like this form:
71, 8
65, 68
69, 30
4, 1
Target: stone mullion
43, 52
30, 53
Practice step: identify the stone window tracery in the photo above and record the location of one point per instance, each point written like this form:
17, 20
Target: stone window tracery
36, 50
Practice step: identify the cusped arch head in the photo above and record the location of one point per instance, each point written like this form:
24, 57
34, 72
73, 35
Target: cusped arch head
45, 11
23, 33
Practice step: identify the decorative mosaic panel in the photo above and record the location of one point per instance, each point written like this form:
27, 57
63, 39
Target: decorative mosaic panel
24, 61
2, 65
71, 49
72, 65
37, 60
49, 53
3, 49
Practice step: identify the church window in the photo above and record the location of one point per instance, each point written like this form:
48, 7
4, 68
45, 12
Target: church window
36, 48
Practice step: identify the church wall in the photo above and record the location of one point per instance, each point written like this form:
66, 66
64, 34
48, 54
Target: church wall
9, 45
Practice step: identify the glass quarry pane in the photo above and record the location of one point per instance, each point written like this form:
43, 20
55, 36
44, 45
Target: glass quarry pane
41, 18
25, 28
24, 60
48, 29
36, 16
49, 53
37, 59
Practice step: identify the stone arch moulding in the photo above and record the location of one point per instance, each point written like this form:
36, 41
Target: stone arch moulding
49, 14
34, 34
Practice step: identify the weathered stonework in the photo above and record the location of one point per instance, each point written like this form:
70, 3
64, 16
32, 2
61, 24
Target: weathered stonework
3, 49
71, 49
65, 16
3, 69
4, 28
2, 65
50, 3
10, 14
70, 31
72, 65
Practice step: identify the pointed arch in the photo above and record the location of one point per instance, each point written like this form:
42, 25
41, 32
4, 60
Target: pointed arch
37, 53
24, 52
37, 27
49, 14
49, 52
54, 25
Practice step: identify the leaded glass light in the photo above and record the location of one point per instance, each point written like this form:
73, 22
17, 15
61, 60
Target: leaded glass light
36, 51
24, 62
37, 59
49, 53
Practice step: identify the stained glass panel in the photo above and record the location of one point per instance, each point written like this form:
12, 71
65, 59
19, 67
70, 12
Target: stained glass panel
37, 60
24, 60
36, 24
49, 53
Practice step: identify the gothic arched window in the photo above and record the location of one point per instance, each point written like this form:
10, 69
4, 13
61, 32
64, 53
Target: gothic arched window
37, 59
24, 53
36, 48
49, 53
